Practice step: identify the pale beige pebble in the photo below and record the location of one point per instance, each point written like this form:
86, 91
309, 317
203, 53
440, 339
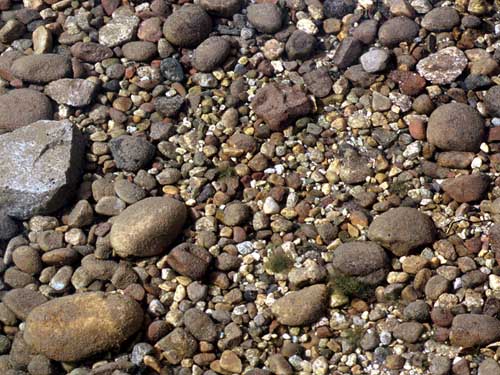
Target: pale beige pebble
42, 40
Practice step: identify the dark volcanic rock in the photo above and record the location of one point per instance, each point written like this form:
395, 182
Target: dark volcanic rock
39, 167
131, 153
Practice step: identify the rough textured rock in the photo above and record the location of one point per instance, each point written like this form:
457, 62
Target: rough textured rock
73, 92
365, 260
300, 45
200, 325
91, 52
39, 167
467, 188
278, 105
302, 307
456, 127
131, 153
42, 68
121, 29
29, 106
211, 53
492, 101
338, 8
147, 227
348, 52
22, 301
66, 328
397, 30
188, 26
402, 229
470, 330
444, 66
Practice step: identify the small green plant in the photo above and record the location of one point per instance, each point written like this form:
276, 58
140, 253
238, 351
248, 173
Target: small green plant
349, 286
278, 262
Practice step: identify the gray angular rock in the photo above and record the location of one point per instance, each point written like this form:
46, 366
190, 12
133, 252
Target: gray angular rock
147, 227
402, 229
42, 68
121, 29
67, 328
364, 260
348, 52
302, 307
265, 17
39, 167
397, 30
131, 153
188, 26
444, 66
22, 107
74, 92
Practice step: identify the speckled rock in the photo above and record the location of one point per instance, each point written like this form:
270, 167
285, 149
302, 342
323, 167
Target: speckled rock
73, 92
444, 66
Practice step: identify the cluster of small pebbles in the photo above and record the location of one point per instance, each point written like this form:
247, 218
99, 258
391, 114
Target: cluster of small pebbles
205, 187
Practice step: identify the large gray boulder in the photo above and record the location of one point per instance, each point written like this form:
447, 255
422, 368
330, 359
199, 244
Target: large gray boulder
40, 166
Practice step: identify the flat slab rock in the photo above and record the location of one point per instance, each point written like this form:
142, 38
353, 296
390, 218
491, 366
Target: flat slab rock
40, 165
74, 92
444, 66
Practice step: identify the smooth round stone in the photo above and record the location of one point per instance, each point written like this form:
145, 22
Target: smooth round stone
211, 53
42, 68
147, 227
265, 17
222, 8
441, 19
139, 50
397, 30
22, 107
188, 26
78, 326
456, 127
492, 101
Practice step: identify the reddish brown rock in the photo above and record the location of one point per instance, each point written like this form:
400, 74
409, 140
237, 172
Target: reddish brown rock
410, 83
466, 188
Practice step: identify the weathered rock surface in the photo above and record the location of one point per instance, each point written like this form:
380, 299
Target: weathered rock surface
74, 92
470, 330
22, 107
444, 66
39, 167
42, 68
75, 327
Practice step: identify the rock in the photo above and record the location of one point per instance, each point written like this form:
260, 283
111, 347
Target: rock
188, 26
139, 50
200, 325
397, 30
210, 54
409, 332
489, 367
492, 101
364, 260
169, 106
30, 106
147, 227
402, 229
318, 82
121, 29
237, 214
91, 52
46, 155
436, 286
474, 330
27, 260
456, 127
42, 40
150, 30
300, 45
441, 19
402, 8
74, 92
410, 83
42, 68
440, 365
355, 168
278, 105
338, 8
8, 227
12, 30
189, 260
222, 8
444, 66
230, 362
177, 345
22, 301
347, 53
66, 328
265, 17
374, 60
131, 153
468, 188
81, 215
417, 310
171, 69
366, 32
302, 307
